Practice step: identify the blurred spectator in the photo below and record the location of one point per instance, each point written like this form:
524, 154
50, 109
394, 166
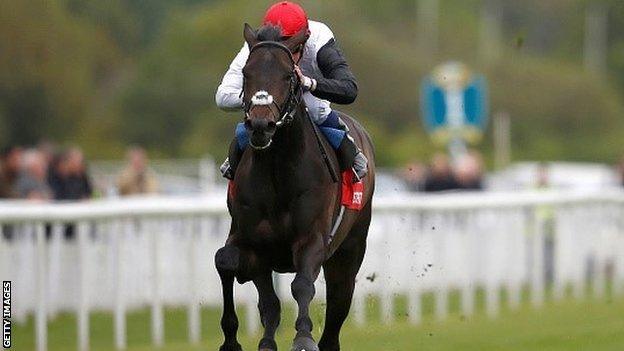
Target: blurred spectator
137, 178
57, 174
70, 178
414, 176
440, 176
469, 171
10, 163
48, 150
32, 181
542, 177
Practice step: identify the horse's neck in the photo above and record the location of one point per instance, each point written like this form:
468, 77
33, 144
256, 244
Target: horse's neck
292, 139
289, 146
290, 167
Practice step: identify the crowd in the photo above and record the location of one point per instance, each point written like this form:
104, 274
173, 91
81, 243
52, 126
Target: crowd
44, 173
467, 173
441, 174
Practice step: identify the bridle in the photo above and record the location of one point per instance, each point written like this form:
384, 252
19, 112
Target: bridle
289, 108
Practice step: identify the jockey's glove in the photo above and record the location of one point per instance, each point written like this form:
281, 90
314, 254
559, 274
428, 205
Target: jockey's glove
309, 84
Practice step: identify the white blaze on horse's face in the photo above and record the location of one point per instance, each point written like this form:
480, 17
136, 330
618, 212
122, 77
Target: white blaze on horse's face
263, 135
261, 98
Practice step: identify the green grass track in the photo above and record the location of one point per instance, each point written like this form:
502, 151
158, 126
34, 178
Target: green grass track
566, 325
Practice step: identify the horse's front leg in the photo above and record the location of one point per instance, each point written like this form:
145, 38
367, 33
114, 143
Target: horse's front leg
227, 261
308, 260
270, 310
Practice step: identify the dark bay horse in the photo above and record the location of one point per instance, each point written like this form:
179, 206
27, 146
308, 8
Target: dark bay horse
284, 203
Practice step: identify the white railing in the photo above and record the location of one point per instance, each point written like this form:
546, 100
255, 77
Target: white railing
156, 252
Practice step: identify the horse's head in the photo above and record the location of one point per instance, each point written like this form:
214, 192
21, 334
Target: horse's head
271, 89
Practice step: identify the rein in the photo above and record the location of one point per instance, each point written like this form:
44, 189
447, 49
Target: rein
289, 108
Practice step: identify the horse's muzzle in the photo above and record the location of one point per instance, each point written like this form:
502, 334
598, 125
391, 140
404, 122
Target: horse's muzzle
260, 132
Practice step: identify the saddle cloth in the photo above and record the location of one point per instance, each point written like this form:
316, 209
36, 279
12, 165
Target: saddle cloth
352, 193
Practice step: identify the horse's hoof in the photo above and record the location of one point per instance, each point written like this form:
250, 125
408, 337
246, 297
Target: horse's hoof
267, 345
231, 347
304, 343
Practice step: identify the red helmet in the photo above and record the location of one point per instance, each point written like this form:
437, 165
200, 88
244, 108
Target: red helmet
290, 17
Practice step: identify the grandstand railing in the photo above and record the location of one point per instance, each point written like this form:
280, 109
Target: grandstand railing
121, 255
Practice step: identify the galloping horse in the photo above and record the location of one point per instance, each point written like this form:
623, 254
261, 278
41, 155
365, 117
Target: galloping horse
284, 203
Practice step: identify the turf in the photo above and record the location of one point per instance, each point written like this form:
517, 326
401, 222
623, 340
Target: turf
565, 325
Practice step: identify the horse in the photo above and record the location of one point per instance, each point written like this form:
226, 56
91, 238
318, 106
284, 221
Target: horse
284, 203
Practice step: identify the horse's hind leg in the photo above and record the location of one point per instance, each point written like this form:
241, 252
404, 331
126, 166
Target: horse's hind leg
269, 306
340, 272
227, 263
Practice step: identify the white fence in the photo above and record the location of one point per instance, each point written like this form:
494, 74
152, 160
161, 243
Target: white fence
156, 252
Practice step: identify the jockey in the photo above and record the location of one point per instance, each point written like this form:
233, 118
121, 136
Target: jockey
324, 75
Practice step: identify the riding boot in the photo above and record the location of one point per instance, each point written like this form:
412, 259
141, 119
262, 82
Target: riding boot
228, 168
350, 155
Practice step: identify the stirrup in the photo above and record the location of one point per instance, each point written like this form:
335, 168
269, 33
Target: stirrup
343, 125
226, 170
360, 166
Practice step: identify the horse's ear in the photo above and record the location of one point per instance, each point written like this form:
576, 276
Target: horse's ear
250, 35
298, 39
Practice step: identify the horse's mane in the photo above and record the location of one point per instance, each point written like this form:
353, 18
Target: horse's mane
269, 33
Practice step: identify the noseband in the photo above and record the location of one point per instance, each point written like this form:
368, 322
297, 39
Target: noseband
262, 98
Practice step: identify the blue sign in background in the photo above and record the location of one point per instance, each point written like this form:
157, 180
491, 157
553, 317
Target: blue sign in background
476, 103
435, 109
